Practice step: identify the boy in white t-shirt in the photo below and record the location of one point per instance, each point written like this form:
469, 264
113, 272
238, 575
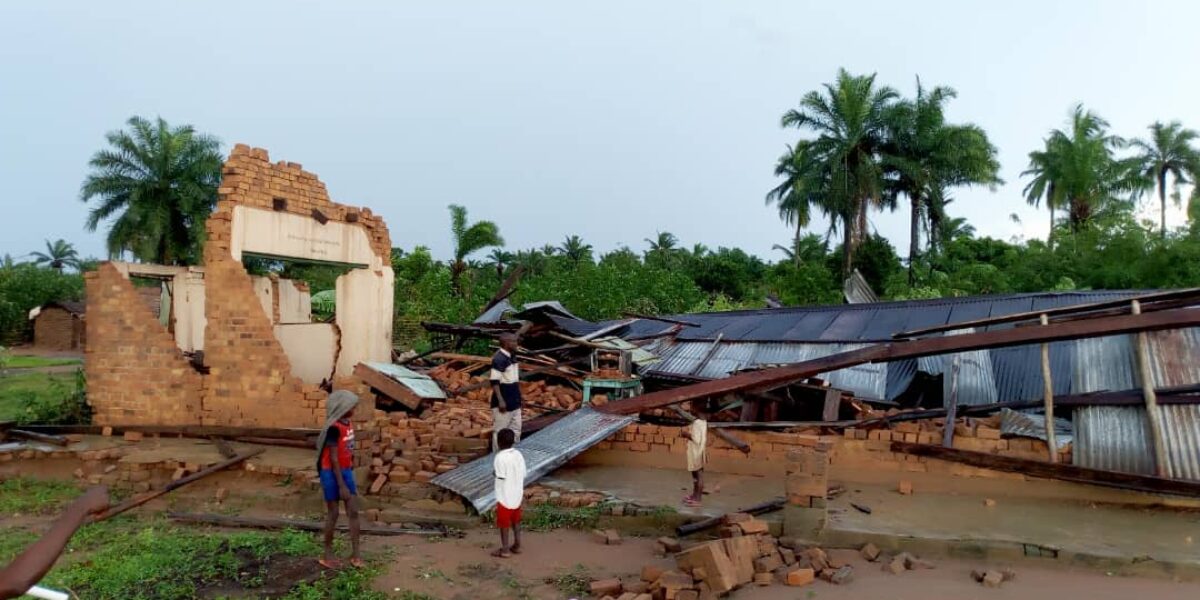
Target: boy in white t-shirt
509, 469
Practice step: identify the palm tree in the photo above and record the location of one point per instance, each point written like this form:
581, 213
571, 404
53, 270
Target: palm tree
1169, 151
58, 255
500, 258
1076, 170
804, 249
800, 189
850, 120
700, 250
924, 156
575, 251
665, 241
160, 184
468, 239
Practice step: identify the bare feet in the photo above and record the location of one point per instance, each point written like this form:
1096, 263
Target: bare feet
516, 549
357, 563
502, 553
330, 563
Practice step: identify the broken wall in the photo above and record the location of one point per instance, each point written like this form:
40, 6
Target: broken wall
138, 375
135, 373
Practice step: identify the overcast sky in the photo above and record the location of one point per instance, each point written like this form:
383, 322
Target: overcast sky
611, 120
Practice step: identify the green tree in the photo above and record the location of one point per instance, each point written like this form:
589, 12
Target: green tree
1168, 152
800, 189
850, 121
501, 258
1077, 170
57, 255
925, 156
575, 251
664, 250
468, 239
159, 184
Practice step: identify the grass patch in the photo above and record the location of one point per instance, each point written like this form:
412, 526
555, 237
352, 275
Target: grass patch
12, 541
346, 585
29, 397
547, 517
574, 583
34, 362
34, 496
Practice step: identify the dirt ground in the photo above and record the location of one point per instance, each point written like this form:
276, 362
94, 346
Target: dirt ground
462, 570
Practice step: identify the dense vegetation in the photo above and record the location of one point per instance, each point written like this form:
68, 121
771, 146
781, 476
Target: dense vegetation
861, 147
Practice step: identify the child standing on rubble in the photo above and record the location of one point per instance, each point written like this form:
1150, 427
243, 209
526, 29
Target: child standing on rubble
509, 470
696, 435
335, 465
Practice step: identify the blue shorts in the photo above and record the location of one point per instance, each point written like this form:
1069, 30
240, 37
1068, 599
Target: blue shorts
329, 484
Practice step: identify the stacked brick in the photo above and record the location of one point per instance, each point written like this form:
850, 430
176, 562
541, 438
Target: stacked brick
806, 480
136, 375
537, 393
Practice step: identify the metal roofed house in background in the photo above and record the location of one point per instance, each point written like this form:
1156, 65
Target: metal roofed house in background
549, 449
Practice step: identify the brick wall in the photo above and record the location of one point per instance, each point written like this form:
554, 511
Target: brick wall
135, 373
856, 449
56, 329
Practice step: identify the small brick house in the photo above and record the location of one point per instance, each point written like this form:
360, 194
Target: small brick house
60, 326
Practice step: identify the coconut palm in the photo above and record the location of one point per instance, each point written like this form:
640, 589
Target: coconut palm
501, 258
57, 255
1168, 152
468, 239
1077, 170
159, 184
804, 249
924, 156
664, 241
575, 251
801, 189
850, 121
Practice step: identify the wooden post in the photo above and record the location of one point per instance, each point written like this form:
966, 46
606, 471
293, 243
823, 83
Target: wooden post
833, 402
1048, 397
952, 408
1155, 418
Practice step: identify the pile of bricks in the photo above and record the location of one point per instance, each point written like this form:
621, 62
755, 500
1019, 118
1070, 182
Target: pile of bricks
747, 554
478, 391
978, 435
536, 494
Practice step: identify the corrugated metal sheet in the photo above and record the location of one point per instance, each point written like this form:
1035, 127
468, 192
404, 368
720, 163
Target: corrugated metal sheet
1033, 425
496, 313
857, 291
1115, 438
545, 451
421, 385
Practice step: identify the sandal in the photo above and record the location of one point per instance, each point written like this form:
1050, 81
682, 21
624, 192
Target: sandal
502, 553
330, 563
357, 563
515, 550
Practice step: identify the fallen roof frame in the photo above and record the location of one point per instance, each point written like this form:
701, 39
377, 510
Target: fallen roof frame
768, 379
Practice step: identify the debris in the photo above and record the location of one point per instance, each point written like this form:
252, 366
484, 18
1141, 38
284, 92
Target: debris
106, 432
753, 527
862, 508
758, 509
913, 563
669, 544
905, 488
651, 573
870, 552
895, 566
799, 577
133, 436
989, 503
721, 575
1008, 574
838, 576
611, 537
605, 587
21, 434
992, 579
221, 495
267, 523
763, 579
174, 485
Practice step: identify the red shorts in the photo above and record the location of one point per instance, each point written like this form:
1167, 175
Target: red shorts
507, 517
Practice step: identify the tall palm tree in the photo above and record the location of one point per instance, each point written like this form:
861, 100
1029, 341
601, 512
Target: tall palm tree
501, 258
1077, 170
800, 189
665, 241
924, 156
58, 255
699, 250
1168, 152
468, 239
850, 121
575, 251
160, 184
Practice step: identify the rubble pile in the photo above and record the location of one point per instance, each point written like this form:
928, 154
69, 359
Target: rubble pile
459, 383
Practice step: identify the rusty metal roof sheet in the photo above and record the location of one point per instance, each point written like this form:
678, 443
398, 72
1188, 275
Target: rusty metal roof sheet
545, 451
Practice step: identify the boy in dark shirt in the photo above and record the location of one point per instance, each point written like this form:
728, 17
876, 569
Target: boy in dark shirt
335, 464
506, 390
